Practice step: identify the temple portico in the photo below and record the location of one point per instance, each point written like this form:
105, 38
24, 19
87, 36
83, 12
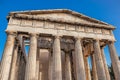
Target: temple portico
60, 43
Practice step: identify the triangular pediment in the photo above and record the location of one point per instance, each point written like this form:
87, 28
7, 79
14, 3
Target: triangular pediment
67, 16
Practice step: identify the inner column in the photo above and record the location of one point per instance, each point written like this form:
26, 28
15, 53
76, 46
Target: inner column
68, 75
43, 64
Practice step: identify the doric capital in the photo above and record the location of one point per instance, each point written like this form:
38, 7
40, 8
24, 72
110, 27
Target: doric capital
78, 38
67, 51
34, 34
57, 36
11, 33
96, 40
110, 42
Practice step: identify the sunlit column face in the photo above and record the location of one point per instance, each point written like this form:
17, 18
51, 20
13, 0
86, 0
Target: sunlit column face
31, 60
7, 56
98, 60
115, 60
58, 30
79, 62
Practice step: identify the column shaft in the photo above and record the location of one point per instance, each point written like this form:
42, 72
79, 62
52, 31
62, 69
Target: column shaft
57, 68
94, 70
80, 69
87, 68
13, 65
37, 61
63, 64
115, 61
73, 66
7, 57
37, 70
68, 75
98, 60
31, 60
105, 64
50, 66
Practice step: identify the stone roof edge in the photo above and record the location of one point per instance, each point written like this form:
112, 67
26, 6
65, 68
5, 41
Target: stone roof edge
61, 11
29, 17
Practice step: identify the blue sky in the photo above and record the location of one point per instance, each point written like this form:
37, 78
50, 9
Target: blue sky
105, 10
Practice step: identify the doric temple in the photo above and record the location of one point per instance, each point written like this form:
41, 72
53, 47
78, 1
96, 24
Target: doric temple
63, 45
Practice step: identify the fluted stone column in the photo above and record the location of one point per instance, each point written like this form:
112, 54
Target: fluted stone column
105, 64
37, 70
37, 61
57, 68
7, 57
87, 68
13, 65
68, 75
63, 64
98, 60
31, 60
80, 69
73, 66
115, 60
94, 70
50, 65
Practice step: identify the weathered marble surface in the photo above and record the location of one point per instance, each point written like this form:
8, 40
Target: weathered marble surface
57, 40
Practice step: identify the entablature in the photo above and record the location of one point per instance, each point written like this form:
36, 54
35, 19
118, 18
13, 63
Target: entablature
55, 28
